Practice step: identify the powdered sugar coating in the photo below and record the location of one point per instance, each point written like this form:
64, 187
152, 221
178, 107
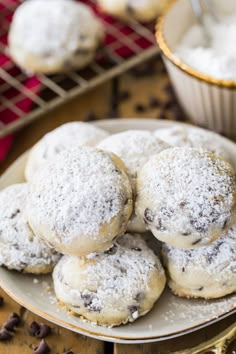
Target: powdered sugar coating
80, 201
65, 136
50, 36
113, 287
141, 10
19, 248
207, 272
187, 196
134, 147
193, 137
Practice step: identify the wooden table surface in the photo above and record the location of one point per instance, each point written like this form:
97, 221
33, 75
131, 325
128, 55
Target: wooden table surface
97, 101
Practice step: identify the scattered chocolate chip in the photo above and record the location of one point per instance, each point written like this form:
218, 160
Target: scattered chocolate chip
33, 328
124, 95
154, 102
148, 216
168, 88
111, 250
43, 331
5, 334
139, 107
1, 301
162, 114
12, 322
43, 348
201, 288
91, 116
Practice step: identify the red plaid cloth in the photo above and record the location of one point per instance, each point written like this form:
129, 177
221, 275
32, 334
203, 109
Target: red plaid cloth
33, 83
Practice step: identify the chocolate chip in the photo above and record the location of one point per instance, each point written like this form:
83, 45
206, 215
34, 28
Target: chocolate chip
90, 116
196, 242
139, 107
14, 214
88, 303
1, 301
201, 288
124, 95
43, 348
136, 249
12, 322
186, 233
162, 114
33, 328
43, 331
168, 88
225, 224
5, 334
154, 102
182, 204
111, 250
132, 309
160, 226
183, 269
148, 216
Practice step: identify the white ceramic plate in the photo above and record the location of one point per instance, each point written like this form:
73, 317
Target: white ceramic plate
171, 317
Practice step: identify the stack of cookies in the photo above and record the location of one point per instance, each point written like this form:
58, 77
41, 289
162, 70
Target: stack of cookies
91, 196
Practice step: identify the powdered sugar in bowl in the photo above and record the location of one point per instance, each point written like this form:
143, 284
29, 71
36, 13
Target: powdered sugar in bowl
204, 77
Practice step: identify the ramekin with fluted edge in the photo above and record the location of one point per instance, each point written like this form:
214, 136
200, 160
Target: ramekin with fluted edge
207, 101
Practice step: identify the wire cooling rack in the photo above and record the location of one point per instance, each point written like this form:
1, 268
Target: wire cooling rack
24, 98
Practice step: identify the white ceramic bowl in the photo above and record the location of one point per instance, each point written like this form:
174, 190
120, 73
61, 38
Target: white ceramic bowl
207, 101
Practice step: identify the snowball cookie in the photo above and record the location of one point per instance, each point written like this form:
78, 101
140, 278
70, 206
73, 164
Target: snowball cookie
66, 136
19, 248
193, 137
80, 201
141, 10
53, 36
134, 147
207, 272
114, 287
187, 197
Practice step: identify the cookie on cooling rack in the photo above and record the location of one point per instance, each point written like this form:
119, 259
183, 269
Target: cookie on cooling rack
53, 36
208, 272
193, 137
66, 136
20, 249
187, 197
134, 147
80, 201
140, 10
113, 287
